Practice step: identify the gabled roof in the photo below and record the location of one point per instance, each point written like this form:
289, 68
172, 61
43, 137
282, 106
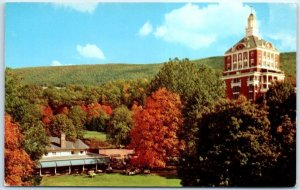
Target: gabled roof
76, 145
252, 42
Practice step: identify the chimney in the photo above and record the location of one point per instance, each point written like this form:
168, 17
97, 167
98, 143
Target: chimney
62, 140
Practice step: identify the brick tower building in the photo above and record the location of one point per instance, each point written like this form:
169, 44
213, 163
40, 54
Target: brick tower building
250, 65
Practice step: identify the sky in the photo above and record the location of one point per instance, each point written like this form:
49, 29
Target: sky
56, 34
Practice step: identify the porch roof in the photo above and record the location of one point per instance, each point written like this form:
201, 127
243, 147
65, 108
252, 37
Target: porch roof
72, 161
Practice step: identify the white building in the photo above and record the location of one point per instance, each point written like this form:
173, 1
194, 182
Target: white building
67, 155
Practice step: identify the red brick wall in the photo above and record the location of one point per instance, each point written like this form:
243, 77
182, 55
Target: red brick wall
244, 88
228, 89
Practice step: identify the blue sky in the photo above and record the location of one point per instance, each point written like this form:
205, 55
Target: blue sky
45, 34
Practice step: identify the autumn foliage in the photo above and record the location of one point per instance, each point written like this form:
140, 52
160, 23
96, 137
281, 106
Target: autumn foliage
94, 109
154, 135
18, 165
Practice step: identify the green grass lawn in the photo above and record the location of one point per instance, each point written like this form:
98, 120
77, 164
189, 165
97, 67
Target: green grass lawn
94, 134
111, 180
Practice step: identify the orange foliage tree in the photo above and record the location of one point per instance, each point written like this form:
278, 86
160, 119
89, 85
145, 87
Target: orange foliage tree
154, 135
18, 165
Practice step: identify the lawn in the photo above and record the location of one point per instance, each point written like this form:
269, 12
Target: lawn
94, 134
111, 180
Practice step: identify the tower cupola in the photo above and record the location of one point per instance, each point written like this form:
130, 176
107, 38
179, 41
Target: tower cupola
252, 29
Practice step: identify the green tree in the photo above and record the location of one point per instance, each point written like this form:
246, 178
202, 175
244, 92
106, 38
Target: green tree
100, 122
110, 94
78, 117
61, 123
281, 100
281, 105
187, 79
35, 140
233, 148
118, 131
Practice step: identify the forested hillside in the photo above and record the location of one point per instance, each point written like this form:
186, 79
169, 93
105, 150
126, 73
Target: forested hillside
97, 74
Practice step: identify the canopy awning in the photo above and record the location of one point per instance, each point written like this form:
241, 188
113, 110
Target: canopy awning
46, 164
77, 162
72, 162
63, 163
90, 161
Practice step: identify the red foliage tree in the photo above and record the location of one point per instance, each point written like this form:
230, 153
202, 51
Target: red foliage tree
154, 135
63, 110
94, 109
18, 165
107, 109
47, 114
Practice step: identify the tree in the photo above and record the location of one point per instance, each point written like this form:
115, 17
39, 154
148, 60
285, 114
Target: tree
281, 103
120, 126
154, 135
187, 79
35, 140
61, 123
110, 94
198, 87
21, 103
97, 116
233, 148
18, 166
78, 117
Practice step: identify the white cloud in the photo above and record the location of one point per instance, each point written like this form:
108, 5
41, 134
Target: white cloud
146, 29
287, 42
84, 7
198, 27
90, 51
56, 63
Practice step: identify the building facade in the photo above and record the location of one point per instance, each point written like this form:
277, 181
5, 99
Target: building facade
251, 65
71, 156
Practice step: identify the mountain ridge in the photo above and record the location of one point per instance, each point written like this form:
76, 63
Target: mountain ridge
96, 74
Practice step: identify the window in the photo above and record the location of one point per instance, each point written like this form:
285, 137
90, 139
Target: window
236, 89
72, 152
245, 56
240, 65
235, 96
236, 80
81, 152
234, 66
53, 153
46, 154
228, 66
252, 61
251, 88
251, 96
